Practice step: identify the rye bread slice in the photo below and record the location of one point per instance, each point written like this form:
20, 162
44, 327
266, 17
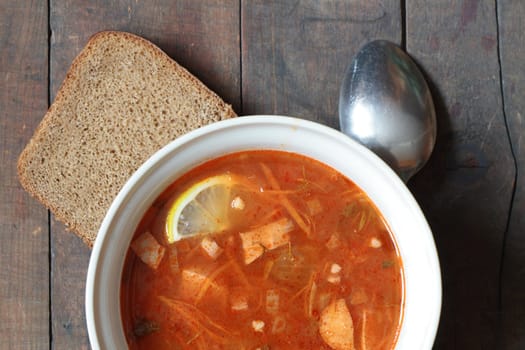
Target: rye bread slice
122, 100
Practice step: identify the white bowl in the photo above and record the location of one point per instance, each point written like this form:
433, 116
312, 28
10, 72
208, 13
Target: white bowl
412, 234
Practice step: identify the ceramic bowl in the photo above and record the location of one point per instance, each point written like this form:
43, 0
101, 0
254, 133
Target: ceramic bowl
422, 283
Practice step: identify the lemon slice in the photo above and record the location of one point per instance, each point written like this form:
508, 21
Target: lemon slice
202, 208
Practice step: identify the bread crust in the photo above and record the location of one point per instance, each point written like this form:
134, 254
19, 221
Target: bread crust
122, 99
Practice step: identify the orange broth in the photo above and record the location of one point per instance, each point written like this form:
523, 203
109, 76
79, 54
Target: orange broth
338, 248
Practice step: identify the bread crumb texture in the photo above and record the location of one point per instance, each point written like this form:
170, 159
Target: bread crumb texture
122, 100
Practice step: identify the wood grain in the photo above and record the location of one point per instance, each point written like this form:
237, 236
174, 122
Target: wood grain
202, 36
294, 54
512, 53
24, 240
466, 188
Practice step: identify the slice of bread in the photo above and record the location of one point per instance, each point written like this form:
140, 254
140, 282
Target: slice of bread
122, 100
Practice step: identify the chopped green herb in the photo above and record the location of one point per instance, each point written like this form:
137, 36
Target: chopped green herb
145, 327
387, 263
348, 210
363, 220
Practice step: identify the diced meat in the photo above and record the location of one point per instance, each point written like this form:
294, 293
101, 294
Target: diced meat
270, 236
252, 251
148, 250
211, 248
275, 234
336, 326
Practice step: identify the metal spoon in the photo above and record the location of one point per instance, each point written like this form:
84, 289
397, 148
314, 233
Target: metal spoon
386, 105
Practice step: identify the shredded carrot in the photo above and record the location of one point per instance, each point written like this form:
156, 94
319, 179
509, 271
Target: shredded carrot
310, 296
239, 272
285, 201
193, 316
196, 341
306, 182
353, 193
246, 184
363, 331
269, 216
194, 250
252, 187
307, 287
280, 192
301, 291
209, 281
192, 339
183, 246
180, 339
199, 342
362, 221
268, 268
259, 304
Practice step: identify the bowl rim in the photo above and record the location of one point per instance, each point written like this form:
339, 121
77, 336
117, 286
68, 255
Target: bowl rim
92, 295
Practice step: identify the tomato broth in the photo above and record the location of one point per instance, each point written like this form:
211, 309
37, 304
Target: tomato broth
301, 259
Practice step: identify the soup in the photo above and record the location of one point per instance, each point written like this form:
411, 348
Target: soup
262, 250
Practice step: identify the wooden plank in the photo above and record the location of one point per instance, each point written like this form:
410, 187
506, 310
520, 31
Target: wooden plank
69, 262
294, 54
24, 240
466, 188
203, 36
512, 53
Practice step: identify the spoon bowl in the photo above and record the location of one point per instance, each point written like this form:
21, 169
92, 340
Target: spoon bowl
386, 105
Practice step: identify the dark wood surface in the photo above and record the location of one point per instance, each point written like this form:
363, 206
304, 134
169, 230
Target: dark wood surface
466, 190
288, 57
25, 287
512, 53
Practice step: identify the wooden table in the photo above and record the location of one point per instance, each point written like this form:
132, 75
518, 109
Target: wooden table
288, 57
